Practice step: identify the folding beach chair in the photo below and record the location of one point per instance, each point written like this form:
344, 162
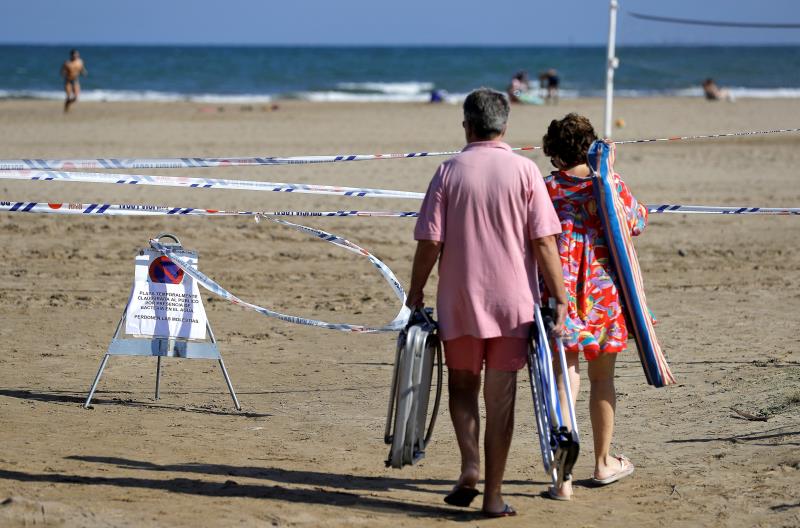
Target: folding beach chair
559, 443
418, 348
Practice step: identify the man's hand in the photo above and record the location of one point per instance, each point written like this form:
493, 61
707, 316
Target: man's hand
415, 299
560, 320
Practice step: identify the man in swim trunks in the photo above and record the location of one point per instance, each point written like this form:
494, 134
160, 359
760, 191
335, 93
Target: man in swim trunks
551, 82
71, 70
488, 219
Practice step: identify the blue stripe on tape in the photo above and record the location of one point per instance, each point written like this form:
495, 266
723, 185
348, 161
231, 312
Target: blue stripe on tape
103, 208
29, 206
16, 206
90, 208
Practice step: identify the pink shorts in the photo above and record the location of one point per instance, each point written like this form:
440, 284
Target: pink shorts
500, 353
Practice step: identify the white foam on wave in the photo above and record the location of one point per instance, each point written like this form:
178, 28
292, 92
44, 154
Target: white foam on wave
416, 95
138, 96
399, 88
333, 96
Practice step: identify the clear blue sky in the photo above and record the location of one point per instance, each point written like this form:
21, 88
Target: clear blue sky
364, 22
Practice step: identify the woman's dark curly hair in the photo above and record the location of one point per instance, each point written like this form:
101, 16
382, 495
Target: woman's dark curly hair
568, 140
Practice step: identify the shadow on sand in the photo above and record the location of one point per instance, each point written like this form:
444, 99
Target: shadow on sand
340, 494
78, 399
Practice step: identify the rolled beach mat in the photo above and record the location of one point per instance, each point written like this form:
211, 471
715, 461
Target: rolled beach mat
626, 265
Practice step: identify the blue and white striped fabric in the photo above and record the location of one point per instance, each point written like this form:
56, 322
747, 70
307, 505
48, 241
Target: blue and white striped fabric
626, 265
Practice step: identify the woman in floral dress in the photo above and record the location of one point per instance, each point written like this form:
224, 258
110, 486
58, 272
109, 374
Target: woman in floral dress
595, 324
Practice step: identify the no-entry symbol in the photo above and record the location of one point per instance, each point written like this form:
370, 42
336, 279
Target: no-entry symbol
163, 270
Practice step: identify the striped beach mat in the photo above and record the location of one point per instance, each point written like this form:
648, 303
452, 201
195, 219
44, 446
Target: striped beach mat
626, 265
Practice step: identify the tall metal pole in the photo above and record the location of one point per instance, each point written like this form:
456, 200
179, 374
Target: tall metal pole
611, 64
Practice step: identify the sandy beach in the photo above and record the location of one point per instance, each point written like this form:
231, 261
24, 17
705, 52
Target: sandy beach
307, 449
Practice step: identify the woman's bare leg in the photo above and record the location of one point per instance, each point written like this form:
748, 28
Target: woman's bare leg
602, 408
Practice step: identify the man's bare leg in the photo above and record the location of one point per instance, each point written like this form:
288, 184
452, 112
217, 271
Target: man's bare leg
499, 393
463, 387
68, 92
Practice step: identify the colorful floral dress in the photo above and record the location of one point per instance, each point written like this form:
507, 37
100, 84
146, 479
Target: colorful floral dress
595, 319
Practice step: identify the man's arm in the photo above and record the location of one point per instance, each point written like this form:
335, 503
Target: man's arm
546, 251
424, 259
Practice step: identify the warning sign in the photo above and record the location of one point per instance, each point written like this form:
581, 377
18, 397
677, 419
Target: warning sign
163, 270
165, 302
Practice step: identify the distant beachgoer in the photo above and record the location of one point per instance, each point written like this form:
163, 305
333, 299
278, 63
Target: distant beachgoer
71, 70
595, 324
714, 92
438, 96
549, 81
488, 219
520, 84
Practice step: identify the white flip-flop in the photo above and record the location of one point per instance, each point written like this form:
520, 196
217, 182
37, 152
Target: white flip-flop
627, 469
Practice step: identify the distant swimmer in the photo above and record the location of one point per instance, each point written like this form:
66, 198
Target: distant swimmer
71, 70
714, 92
549, 82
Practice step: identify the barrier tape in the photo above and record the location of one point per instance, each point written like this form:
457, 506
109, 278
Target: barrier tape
159, 210
194, 163
710, 209
203, 183
396, 324
709, 136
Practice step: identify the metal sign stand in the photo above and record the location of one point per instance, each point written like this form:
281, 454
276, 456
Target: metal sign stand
163, 346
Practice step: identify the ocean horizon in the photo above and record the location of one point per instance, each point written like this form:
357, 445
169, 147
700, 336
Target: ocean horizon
262, 74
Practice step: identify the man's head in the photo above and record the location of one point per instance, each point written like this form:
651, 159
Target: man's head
73, 54
485, 115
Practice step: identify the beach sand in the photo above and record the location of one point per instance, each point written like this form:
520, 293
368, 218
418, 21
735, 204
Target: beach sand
308, 450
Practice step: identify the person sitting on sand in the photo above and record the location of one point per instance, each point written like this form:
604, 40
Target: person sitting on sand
520, 84
71, 70
595, 323
488, 219
714, 92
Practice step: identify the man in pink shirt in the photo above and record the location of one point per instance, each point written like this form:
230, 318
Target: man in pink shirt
488, 218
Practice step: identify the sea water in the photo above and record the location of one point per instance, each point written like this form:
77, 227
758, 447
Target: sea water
401, 74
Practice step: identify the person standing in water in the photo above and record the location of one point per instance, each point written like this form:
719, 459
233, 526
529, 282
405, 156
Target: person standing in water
71, 71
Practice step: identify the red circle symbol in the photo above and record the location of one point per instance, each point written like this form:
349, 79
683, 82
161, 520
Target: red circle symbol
164, 271
55, 205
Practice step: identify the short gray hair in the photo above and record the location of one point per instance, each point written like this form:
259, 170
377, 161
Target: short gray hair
486, 111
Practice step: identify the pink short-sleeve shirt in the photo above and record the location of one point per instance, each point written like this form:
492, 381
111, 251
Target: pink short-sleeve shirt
485, 205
